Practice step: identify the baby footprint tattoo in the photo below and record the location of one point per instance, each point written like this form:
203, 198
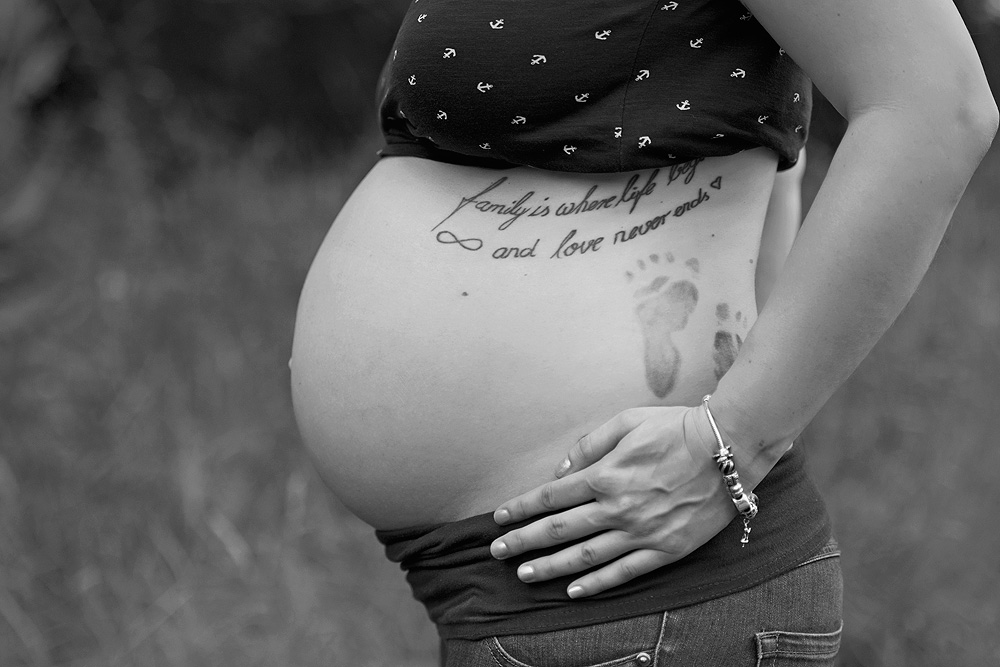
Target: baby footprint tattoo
663, 307
727, 342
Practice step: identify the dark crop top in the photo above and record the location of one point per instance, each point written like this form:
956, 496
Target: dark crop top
589, 85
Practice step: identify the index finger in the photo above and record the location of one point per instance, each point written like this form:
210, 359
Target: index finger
569, 491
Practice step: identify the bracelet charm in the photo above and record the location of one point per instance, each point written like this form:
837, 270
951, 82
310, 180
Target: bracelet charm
746, 504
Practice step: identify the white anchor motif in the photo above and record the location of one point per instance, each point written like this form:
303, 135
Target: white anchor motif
669, 7
497, 25
441, 115
582, 97
643, 74
483, 87
761, 119
738, 74
671, 156
718, 136
696, 43
485, 146
746, 17
618, 133
602, 34
644, 141
412, 80
449, 53
684, 106
798, 128
420, 19
569, 150
796, 97
538, 59
519, 120
781, 52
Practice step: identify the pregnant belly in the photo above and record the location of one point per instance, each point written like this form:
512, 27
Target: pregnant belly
460, 328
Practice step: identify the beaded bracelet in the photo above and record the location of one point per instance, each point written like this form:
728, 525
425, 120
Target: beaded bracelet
746, 504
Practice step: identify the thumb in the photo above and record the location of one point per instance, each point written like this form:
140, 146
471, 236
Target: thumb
592, 447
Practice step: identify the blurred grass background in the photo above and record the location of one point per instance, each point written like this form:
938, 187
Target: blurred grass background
167, 170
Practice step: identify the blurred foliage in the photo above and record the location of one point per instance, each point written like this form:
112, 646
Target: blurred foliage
305, 69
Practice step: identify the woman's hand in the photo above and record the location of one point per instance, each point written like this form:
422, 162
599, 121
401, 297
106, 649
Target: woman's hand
643, 487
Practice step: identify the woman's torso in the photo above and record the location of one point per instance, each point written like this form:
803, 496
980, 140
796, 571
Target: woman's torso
461, 327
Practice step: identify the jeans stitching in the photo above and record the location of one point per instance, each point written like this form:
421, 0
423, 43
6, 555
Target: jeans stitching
816, 559
495, 647
827, 644
659, 640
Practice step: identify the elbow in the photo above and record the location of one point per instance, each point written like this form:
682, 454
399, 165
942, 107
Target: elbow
963, 131
976, 119
959, 119
978, 123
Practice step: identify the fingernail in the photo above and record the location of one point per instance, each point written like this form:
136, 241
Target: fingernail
563, 467
526, 573
499, 549
575, 591
501, 516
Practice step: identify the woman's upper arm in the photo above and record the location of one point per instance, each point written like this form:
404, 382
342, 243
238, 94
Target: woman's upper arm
883, 54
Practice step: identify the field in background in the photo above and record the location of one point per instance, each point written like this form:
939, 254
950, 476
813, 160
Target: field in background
156, 507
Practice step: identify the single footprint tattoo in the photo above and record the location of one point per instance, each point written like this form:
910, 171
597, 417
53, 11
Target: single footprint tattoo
727, 343
663, 307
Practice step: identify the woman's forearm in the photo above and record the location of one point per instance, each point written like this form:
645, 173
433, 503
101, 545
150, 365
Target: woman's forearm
864, 247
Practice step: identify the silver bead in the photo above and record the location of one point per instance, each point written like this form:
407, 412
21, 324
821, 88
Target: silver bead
742, 504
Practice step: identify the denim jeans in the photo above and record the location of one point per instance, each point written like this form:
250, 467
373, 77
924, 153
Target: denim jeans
793, 619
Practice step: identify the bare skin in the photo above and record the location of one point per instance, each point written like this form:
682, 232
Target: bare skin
461, 328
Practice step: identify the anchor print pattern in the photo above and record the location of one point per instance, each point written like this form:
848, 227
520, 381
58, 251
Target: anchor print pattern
648, 133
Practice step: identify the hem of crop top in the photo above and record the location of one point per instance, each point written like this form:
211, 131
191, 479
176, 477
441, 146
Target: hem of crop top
470, 595
451, 157
440, 155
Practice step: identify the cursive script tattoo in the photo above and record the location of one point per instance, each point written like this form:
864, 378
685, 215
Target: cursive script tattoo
529, 204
